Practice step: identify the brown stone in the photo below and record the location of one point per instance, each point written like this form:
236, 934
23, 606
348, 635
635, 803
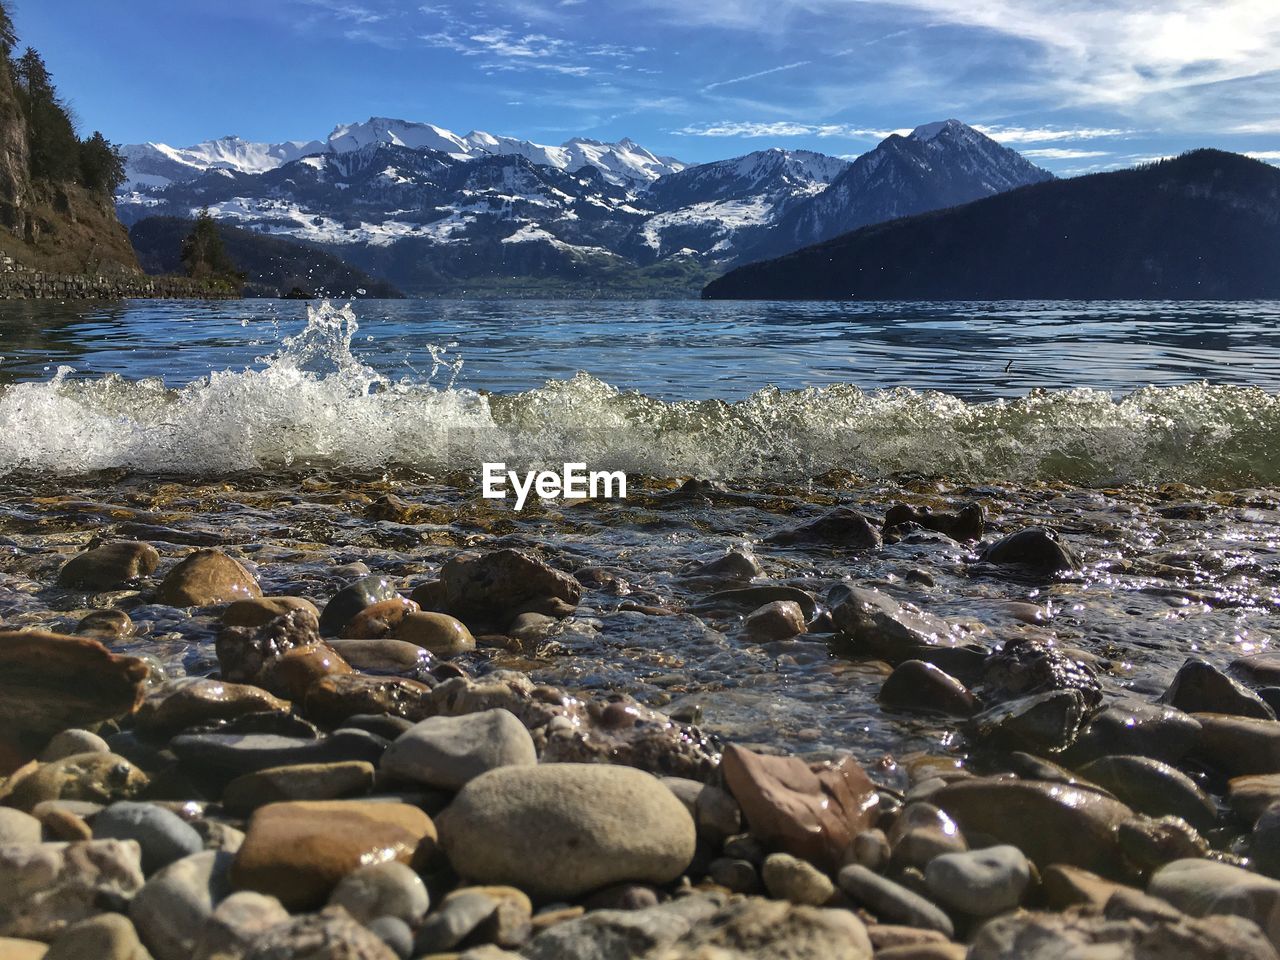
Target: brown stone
245, 652
495, 587
383, 655
1049, 822
204, 578
109, 566
306, 781
1066, 886
109, 624
50, 682
293, 674
1238, 745
256, 611
96, 777
334, 698
779, 620
924, 951
1250, 795
440, 633
188, 701
298, 851
812, 811
12, 948
886, 936
379, 620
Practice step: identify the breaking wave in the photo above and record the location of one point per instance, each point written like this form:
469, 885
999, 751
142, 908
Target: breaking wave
314, 404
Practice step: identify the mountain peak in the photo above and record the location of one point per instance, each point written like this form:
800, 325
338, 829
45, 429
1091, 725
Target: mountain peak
930, 131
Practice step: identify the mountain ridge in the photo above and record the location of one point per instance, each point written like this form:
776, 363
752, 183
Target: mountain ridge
1204, 225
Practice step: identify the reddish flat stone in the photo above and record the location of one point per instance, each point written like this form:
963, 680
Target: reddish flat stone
812, 811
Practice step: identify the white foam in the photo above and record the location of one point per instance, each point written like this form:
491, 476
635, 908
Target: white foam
315, 403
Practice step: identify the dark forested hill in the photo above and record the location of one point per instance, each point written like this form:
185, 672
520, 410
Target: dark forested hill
1205, 225
273, 266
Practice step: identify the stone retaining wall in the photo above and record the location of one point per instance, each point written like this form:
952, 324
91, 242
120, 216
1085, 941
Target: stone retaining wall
18, 282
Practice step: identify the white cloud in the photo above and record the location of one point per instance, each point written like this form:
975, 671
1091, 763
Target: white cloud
757, 74
1061, 153
1046, 134
1271, 156
783, 128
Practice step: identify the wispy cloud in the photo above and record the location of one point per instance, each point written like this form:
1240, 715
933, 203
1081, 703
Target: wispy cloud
1046, 134
1271, 156
782, 128
756, 75
1063, 153
351, 12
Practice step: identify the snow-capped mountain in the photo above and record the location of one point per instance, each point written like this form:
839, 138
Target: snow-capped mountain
622, 163
431, 211
937, 165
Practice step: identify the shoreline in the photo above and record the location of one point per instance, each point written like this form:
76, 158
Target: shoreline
19, 282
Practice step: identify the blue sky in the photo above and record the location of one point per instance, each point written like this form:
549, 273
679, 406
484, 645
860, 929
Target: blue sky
1076, 85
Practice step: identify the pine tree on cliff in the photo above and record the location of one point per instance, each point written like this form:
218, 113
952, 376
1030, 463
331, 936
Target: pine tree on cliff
8, 36
203, 254
55, 149
101, 165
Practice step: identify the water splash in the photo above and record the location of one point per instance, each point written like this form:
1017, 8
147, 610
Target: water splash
314, 403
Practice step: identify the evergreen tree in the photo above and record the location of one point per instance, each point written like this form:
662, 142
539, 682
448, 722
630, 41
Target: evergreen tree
8, 36
101, 165
203, 254
54, 147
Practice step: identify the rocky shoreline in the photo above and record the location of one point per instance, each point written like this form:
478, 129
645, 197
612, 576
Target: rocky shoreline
375, 771
18, 282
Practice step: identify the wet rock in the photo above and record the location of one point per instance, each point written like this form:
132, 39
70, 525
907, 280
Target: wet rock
173, 907
1065, 886
1264, 842
881, 626
967, 523
812, 811
1043, 722
109, 566
49, 682
1200, 687
105, 625
163, 836
1261, 669
1032, 666
68, 743
843, 526
921, 832
1055, 936
379, 619
1203, 888
106, 937
790, 878
779, 620
494, 588
1049, 822
1238, 745
871, 849
737, 564
1149, 843
559, 830
299, 851
1249, 796
192, 701
1153, 788
891, 901
231, 755
97, 777
17, 827
1035, 548
443, 635
331, 700
236, 923
353, 598
383, 656
979, 883
447, 752
244, 652
746, 599
382, 890
259, 611
735, 874
204, 578
307, 781
292, 674
1137, 728
919, 687
328, 935
44, 888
